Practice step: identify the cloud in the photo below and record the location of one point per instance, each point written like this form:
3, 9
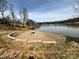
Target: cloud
44, 15
53, 5
45, 10
57, 15
42, 5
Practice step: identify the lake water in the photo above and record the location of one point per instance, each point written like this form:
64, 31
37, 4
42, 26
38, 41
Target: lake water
70, 31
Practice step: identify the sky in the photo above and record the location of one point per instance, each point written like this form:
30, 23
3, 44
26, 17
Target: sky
46, 10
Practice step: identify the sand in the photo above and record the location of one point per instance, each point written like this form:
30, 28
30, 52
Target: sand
34, 35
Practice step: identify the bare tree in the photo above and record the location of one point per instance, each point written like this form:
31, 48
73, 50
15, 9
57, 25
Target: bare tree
24, 16
76, 7
3, 7
12, 13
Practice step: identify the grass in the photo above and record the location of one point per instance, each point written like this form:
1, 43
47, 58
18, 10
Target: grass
10, 49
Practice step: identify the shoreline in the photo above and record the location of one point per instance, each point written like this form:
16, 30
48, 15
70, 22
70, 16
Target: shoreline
69, 38
34, 35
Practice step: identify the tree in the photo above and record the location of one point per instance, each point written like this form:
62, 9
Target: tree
12, 13
76, 8
24, 16
3, 7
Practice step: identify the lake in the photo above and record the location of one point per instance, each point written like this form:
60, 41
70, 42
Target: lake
71, 31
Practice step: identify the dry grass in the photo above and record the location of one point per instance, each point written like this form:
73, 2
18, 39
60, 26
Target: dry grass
10, 49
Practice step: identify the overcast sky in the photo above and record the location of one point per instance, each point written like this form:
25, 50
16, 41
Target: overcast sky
46, 10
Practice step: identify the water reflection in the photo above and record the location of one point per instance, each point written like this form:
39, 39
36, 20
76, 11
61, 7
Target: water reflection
72, 31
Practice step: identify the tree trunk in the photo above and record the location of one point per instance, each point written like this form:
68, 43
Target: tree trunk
24, 23
13, 17
2, 14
